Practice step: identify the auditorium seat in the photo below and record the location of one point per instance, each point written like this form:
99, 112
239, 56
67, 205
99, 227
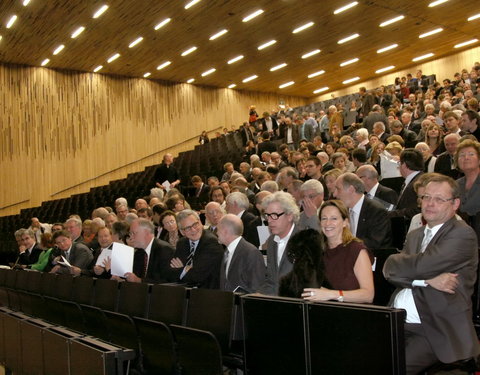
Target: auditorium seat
106, 294
167, 303
133, 299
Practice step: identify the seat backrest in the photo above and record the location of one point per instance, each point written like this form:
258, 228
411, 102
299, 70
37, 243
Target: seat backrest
133, 298
383, 289
157, 346
167, 303
63, 287
34, 282
11, 279
22, 280
48, 285
82, 290
198, 351
106, 294
212, 310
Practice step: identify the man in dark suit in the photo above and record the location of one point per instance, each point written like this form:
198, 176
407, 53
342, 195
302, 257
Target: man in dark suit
29, 251
198, 256
77, 254
411, 167
288, 133
152, 256
379, 131
243, 264
368, 218
267, 144
445, 163
74, 226
369, 175
409, 137
376, 115
202, 193
269, 124
435, 276
282, 214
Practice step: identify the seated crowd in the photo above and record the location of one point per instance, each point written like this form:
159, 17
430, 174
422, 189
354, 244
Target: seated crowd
319, 196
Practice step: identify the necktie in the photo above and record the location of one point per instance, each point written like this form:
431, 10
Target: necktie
145, 263
353, 229
426, 239
192, 253
225, 261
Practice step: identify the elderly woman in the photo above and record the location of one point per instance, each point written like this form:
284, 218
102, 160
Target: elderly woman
428, 159
348, 263
467, 158
361, 137
170, 232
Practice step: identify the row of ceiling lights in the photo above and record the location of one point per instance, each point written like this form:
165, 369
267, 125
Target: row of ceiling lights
251, 16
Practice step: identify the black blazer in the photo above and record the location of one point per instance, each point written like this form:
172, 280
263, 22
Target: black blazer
206, 262
247, 269
386, 194
373, 226
30, 258
266, 146
158, 263
443, 166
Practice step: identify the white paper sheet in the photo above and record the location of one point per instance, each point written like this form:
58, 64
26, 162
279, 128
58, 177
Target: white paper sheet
166, 185
106, 253
122, 259
64, 262
263, 234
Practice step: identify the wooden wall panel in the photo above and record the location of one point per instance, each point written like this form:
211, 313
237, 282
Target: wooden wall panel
60, 129
445, 67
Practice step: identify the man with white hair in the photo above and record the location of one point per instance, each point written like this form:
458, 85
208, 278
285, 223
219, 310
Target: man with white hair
376, 115
122, 211
312, 199
282, 214
379, 131
243, 263
74, 227
238, 204
120, 201
445, 163
213, 214
369, 176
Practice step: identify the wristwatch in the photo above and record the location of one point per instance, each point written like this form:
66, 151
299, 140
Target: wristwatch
340, 296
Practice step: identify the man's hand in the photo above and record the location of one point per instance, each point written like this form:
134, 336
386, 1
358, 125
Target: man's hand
445, 282
131, 277
75, 271
55, 269
176, 263
309, 207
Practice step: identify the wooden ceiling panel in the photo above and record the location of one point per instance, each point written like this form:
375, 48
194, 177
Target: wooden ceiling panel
43, 25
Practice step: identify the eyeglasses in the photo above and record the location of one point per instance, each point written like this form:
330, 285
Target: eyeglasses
436, 200
274, 215
465, 154
191, 227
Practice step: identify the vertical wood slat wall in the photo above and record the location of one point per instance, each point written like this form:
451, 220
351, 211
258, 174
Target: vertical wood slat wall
445, 67
59, 128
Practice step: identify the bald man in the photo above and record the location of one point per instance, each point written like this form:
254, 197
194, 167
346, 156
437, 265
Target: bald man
369, 175
243, 266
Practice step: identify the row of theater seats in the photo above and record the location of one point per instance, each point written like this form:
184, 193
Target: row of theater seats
167, 329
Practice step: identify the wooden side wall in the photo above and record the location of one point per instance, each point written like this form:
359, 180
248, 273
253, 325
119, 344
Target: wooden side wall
62, 132
445, 67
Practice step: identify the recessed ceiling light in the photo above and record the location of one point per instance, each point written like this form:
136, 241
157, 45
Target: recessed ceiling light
311, 53
251, 78
423, 57
474, 17
348, 62
97, 68
347, 81
283, 85
468, 42
392, 20
163, 65
188, 51
387, 68
26, 2
77, 32
303, 27
232, 86
100, 11
191, 4
320, 72
191, 80
252, 15
58, 49
113, 58
279, 66
348, 38
387, 48
148, 74
209, 71
218, 35
11, 21
235, 59
45, 62
431, 32
345, 7
135, 42
437, 2
267, 44
163, 23
321, 90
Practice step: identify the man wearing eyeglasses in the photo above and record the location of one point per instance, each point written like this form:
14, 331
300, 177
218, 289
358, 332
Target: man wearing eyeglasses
435, 276
282, 214
198, 256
